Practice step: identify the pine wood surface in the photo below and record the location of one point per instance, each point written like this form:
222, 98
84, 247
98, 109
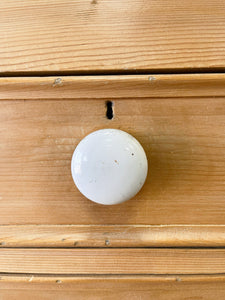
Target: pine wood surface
183, 137
88, 287
111, 36
113, 261
111, 236
112, 87
54, 243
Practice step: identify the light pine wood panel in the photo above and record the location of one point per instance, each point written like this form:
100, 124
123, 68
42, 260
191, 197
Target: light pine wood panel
77, 236
101, 35
113, 87
184, 139
113, 261
112, 287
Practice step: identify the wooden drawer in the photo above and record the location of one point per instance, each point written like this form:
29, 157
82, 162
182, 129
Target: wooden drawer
179, 119
180, 126
96, 36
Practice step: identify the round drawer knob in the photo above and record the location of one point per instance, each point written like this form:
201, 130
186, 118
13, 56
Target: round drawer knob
109, 166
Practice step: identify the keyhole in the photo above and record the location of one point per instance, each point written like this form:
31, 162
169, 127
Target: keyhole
109, 110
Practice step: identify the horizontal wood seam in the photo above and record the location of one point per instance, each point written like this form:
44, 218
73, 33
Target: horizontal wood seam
166, 71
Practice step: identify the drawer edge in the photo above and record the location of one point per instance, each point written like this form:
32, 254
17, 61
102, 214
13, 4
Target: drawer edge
110, 236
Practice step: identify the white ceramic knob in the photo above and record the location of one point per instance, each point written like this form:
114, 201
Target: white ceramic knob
109, 166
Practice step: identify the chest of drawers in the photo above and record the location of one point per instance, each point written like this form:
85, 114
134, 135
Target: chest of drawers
160, 63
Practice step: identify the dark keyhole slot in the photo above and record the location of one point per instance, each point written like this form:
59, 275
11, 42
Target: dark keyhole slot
109, 111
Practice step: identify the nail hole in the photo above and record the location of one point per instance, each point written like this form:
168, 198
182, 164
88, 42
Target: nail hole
107, 242
58, 281
109, 110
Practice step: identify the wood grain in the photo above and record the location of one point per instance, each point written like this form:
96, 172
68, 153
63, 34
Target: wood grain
183, 137
112, 287
77, 236
113, 261
111, 36
113, 87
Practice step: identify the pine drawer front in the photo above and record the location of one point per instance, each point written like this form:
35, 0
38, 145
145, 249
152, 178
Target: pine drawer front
179, 120
59, 245
98, 36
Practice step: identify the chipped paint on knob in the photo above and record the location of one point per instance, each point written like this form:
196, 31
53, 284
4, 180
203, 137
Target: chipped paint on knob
109, 166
